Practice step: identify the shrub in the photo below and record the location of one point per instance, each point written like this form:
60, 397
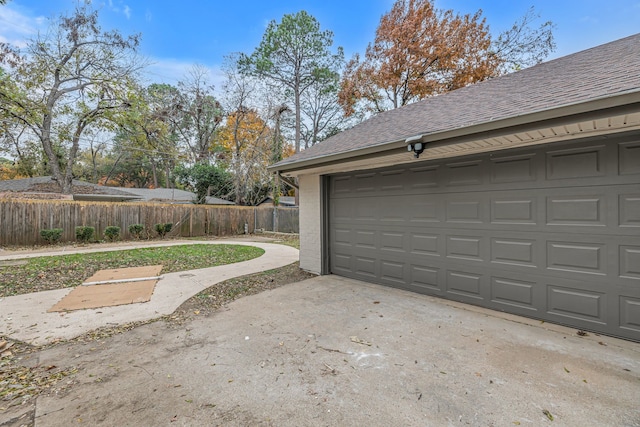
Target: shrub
51, 235
84, 233
136, 230
163, 229
112, 233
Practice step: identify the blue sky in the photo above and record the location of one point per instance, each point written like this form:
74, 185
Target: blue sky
179, 33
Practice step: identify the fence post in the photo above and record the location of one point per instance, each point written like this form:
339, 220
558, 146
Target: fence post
275, 219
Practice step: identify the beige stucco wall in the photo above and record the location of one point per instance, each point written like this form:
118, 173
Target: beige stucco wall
310, 223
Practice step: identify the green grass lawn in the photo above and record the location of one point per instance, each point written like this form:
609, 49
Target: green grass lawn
57, 272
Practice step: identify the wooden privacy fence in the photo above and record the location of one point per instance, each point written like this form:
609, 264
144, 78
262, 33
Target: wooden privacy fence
21, 220
283, 220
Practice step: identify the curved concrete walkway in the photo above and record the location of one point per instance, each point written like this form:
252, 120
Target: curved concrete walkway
25, 317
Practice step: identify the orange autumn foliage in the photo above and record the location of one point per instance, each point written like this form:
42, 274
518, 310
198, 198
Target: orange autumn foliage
418, 52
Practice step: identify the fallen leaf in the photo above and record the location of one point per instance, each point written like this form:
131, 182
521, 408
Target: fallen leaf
547, 414
376, 302
517, 423
196, 312
357, 340
566, 370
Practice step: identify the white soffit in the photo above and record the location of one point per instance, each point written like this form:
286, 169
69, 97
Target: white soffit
547, 135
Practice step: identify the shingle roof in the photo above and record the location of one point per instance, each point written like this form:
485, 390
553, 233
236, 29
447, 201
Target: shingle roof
162, 194
603, 71
47, 184
88, 191
173, 194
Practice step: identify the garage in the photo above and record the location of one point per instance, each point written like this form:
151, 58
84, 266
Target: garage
520, 194
550, 232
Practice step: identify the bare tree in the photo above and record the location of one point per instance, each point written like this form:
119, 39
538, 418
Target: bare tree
247, 134
72, 78
200, 114
522, 45
323, 115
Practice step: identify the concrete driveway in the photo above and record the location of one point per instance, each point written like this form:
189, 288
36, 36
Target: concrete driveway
331, 351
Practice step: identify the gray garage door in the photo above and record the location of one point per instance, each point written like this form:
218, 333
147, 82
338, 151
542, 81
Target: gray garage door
550, 233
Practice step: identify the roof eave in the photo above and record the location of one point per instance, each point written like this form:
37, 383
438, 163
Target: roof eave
598, 107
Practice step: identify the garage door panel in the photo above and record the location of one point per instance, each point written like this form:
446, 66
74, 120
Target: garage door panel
465, 247
341, 263
365, 209
365, 266
517, 252
547, 232
573, 163
341, 185
393, 181
576, 303
427, 278
464, 173
577, 257
515, 210
630, 313
513, 169
629, 206
424, 210
464, 283
507, 291
630, 262
464, 211
365, 182
629, 158
365, 239
393, 272
342, 236
426, 244
424, 177
577, 210
342, 212
393, 241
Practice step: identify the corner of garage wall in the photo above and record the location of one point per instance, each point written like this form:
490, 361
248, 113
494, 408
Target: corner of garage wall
310, 223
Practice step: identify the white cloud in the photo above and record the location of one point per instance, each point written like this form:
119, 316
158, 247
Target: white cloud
171, 71
120, 8
17, 27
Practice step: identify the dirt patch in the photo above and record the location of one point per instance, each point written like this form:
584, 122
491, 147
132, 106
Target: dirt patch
208, 301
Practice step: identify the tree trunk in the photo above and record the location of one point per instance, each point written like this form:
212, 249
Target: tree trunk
155, 175
297, 100
56, 172
168, 172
